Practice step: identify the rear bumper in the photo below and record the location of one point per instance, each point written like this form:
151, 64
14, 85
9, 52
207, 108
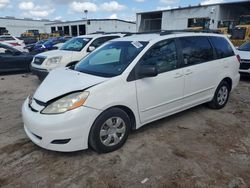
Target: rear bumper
40, 73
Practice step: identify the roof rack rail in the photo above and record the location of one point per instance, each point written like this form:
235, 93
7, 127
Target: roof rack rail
122, 32
146, 32
168, 32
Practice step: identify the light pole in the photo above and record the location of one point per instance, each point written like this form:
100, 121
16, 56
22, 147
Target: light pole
86, 14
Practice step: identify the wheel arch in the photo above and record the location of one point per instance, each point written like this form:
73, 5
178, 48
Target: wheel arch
129, 112
229, 81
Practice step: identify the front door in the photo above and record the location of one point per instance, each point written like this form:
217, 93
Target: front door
10, 60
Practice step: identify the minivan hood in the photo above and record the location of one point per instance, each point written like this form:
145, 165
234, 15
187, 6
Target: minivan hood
55, 53
62, 81
244, 54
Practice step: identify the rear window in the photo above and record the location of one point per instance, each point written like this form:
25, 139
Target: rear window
6, 38
222, 47
196, 50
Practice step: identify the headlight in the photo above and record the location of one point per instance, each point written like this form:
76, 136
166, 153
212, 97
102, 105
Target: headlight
66, 103
53, 61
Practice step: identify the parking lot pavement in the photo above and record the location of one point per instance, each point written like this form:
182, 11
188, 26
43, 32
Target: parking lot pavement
196, 148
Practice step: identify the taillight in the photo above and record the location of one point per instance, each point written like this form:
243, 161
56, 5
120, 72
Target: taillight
15, 44
238, 57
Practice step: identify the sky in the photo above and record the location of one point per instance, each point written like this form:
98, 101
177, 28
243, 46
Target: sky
74, 9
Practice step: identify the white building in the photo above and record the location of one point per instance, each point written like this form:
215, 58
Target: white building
82, 27
183, 17
17, 26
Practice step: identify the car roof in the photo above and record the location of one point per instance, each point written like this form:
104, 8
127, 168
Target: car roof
5, 44
95, 35
147, 37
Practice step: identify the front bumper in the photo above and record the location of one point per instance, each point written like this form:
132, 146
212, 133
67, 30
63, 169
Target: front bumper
65, 132
40, 73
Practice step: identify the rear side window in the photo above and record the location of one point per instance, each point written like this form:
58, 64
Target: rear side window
7, 38
98, 42
196, 50
222, 47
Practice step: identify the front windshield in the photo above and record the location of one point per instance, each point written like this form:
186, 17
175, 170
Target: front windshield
41, 42
245, 47
49, 42
75, 44
111, 59
245, 20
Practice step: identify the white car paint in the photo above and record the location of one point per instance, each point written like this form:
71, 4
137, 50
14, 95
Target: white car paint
245, 58
67, 57
19, 48
14, 42
149, 98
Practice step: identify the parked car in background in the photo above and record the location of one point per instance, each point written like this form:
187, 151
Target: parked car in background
28, 40
244, 52
12, 59
13, 41
49, 44
19, 48
127, 83
30, 47
69, 54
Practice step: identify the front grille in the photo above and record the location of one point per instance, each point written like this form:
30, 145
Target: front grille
245, 64
39, 60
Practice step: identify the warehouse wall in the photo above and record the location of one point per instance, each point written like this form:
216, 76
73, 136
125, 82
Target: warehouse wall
111, 26
97, 25
178, 19
17, 26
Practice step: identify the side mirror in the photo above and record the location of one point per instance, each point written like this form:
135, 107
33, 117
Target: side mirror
147, 71
91, 49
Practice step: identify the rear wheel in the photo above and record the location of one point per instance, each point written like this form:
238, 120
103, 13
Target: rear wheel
221, 96
110, 131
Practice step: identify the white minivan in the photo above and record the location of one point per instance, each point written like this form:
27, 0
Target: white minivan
127, 83
69, 53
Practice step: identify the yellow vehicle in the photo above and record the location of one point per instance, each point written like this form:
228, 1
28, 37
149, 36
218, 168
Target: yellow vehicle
226, 26
241, 33
198, 23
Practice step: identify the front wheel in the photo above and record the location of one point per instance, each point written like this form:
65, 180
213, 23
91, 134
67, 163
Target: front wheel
221, 96
110, 131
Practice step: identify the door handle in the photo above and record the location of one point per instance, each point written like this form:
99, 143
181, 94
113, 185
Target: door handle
178, 75
188, 72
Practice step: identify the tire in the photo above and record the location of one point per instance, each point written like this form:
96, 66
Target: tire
221, 96
110, 131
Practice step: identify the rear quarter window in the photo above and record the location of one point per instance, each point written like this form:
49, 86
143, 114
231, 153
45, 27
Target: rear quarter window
222, 47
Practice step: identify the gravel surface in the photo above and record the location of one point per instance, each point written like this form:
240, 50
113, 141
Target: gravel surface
196, 148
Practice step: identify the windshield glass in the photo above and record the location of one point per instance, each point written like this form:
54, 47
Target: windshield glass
75, 44
49, 42
245, 47
111, 59
245, 20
